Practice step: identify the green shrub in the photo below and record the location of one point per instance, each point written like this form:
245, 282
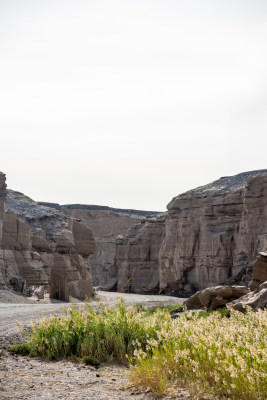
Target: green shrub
94, 362
224, 312
107, 335
23, 349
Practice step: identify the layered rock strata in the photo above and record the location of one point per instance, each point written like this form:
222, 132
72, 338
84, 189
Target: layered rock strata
107, 224
137, 256
36, 240
208, 236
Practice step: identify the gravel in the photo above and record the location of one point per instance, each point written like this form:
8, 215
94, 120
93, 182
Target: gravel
227, 184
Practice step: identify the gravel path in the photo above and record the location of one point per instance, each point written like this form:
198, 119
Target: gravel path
24, 378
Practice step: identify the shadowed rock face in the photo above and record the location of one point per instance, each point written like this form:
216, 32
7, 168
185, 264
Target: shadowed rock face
37, 239
208, 236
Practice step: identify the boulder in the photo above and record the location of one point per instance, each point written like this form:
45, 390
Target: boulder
256, 299
38, 293
215, 297
193, 303
18, 284
259, 273
80, 289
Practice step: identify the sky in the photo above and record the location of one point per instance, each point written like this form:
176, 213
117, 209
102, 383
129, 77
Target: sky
128, 103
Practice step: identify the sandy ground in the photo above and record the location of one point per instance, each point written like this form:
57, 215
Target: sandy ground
24, 378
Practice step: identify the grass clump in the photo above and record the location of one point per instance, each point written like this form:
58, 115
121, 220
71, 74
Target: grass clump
94, 362
164, 307
107, 335
224, 312
23, 349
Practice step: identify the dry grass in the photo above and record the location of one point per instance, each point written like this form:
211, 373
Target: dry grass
223, 357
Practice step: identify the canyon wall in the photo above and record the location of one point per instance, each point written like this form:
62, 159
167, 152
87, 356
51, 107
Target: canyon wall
208, 236
107, 224
37, 240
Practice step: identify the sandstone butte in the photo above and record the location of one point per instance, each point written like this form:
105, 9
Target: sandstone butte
37, 243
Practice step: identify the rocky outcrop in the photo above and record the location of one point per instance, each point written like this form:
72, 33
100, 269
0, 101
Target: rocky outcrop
235, 297
208, 236
106, 223
215, 297
36, 240
256, 299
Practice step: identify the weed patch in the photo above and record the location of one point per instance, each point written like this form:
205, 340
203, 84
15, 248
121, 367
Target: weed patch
219, 356
23, 349
94, 362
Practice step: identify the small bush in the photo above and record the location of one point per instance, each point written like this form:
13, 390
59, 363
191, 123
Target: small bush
164, 307
23, 349
94, 362
107, 335
224, 312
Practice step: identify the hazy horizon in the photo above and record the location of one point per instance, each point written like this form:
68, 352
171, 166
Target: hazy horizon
128, 104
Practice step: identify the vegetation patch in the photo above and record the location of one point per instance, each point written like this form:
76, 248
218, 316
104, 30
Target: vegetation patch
94, 362
23, 349
222, 357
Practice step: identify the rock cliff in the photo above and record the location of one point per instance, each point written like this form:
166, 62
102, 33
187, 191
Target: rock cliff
35, 240
208, 236
106, 223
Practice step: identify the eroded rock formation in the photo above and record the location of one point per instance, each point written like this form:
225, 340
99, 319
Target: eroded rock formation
208, 236
34, 240
106, 223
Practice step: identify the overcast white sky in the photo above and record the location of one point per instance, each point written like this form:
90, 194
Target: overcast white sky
129, 103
